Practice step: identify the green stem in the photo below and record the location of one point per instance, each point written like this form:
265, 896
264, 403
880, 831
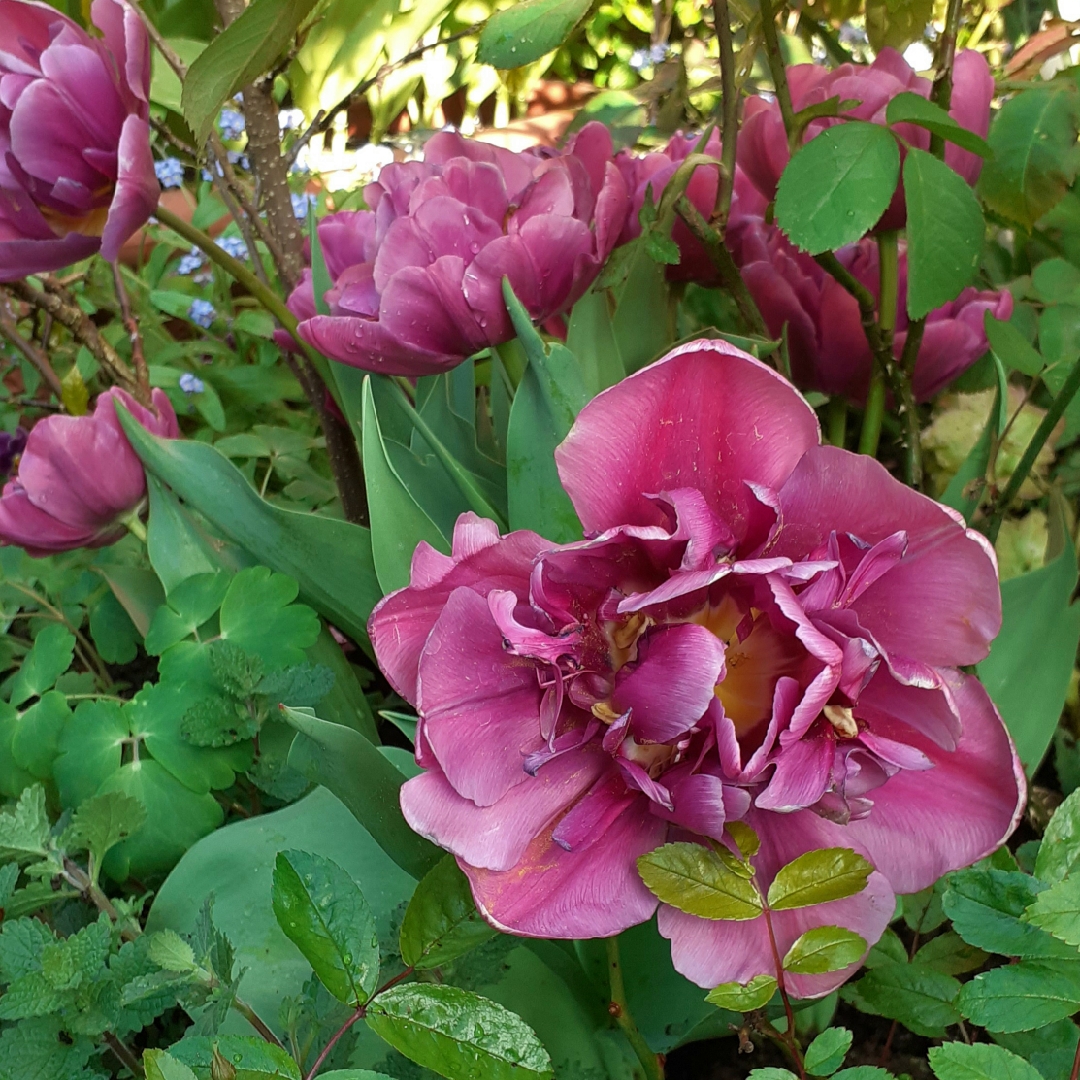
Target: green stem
135, 526
619, 1009
837, 421
1038, 440
776, 69
875, 410
462, 478
889, 281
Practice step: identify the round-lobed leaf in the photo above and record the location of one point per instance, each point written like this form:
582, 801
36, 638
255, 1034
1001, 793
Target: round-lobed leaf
696, 880
837, 186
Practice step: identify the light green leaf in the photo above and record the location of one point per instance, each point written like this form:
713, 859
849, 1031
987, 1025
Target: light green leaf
103, 821
160, 1065
322, 911
1024, 996
90, 749
37, 731
945, 231
827, 1052
441, 922
170, 951
244, 50
980, 1061
743, 997
1059, 853
252, 1057
1011, 347
694, 879
528, 30
818, 877
177, 547
824, 948
49, 657
259, 615
1057, 910
458, 1034
836, 186
910, 108
24, 827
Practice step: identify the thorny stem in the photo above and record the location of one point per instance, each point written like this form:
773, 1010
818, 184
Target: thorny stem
1074, 1073
359, 1014
721, 258
789, 1035
776, 69
123, 1054
619, 1010
138, 356
1042, 433
729, 117
36, 356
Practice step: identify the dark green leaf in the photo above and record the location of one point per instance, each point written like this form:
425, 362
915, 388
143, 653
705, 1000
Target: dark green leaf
824, 948
1033, 137
323, 912
950, 954
743, 997
1011, 347
160, 1065
102, 822
1057, 910
1020, 997
330, 559
114, 634
1027, 672
1059, 853
694, 879
178, 549
46, 661
818, 877
342, 760
836, 186
259, 615
24, 827
525, 32
441, 922
827, 1052
458, 1034
921, 1000
253, 1058
945, 232
909, 108
35, 742
980, 1061
244, 50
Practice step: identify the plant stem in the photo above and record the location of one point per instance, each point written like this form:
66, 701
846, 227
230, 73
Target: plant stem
135, 526
1075, 1072
131, 324
729, 116
888, 269
725, 265
1042, 433
776, 69
256, 1021
620, 1011
789, 1035
36, 356
837, 421
123, 1054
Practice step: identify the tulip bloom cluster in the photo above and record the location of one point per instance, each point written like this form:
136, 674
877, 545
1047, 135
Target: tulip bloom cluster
76, 172
418, 276
78, 477
757, 628
826, 342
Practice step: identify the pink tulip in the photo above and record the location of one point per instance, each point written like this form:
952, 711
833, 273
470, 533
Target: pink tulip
757, 628
763, 145
76, 172
826, 343
650, 175
78, 477
418, 276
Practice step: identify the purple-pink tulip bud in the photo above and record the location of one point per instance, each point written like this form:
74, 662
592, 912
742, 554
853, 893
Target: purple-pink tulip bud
417, 278
763, 144
76, 172
78, 477
826, 342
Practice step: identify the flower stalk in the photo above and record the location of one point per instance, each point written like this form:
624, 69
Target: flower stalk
619, 1009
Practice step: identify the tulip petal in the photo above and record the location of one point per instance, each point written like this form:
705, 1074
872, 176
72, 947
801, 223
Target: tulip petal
137, 188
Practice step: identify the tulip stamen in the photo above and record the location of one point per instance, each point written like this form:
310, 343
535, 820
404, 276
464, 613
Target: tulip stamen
842, 720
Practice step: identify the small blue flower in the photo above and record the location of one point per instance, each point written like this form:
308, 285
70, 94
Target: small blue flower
191, 384
300, 203
202, 313
188, 264
233, 245
658, 53
236, 158
170, 172
232, 124
289, 119
650, 57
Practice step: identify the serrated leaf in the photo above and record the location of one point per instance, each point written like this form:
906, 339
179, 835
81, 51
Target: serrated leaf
827, 1052
527, 31
694, 879
458, 1034
218, 721
22, 942
299, 686
49, 657
1024, 996
441, 922
910, 108
24, 827
323, 912
823, 949
252, 1057
770, 1074
985, 907
9, 876
244, 50
30, 995
945, 231
743, 997
979, 1061
1057, 910
103, 821
160, 1065
170, 951
1059, 853
921, 1000
236, 671
836, 186
36, 1050
950, 954
818, 877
